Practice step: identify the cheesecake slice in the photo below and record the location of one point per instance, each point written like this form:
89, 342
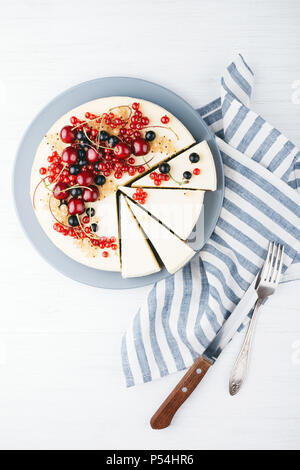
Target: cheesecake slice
177, 209
137, 256
192, 169
173, 252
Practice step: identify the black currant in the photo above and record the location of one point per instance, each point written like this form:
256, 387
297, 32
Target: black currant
113, 141
73, 221
187, 175
90, 211
100, 180
94, 227
194, 157
150, 135
164, 168
83, 162
74, 169
104, 136
81, 153
76, 192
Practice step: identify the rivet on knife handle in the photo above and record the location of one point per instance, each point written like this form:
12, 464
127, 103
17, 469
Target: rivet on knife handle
164, 415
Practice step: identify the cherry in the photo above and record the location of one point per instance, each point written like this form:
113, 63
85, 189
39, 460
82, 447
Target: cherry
90, 195
140, 147
69, 155
122, 150
92, 155
59, 191
67, 135
85, 178
75, 206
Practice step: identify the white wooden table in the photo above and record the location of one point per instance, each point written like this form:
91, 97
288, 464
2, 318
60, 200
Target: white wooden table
60, 378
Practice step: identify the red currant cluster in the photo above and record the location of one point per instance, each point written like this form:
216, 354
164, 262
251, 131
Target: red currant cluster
159, 177
140, 196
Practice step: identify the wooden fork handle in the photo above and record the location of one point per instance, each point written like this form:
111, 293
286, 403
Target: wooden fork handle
165, 413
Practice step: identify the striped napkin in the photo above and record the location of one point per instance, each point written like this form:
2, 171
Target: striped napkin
183, 313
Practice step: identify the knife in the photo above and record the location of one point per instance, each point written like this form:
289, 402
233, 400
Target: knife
164, 415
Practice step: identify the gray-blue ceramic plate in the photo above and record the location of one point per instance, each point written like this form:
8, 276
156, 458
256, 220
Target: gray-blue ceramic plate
110, 86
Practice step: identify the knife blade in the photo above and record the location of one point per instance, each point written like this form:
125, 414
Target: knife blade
232, 324
164, 415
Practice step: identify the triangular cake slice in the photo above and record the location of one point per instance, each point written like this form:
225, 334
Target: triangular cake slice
173, 252
177, 209
136, 254
197, 161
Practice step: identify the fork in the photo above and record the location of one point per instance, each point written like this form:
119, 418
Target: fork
267, 282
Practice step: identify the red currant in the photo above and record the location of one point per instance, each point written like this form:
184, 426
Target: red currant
165, 120
43, 171
197, 171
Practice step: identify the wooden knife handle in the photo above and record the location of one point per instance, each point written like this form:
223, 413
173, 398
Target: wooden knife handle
165, 413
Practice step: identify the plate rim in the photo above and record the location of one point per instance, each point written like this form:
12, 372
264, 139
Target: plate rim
140, 281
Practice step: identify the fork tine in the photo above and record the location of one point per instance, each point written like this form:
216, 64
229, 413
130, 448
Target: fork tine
266, 263
275, 267
271, 262
280, 265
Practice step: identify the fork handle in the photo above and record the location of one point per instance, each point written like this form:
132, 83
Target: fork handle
164, 415
240, 367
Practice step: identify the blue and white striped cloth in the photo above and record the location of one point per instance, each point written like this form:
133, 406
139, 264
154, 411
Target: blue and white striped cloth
183, 313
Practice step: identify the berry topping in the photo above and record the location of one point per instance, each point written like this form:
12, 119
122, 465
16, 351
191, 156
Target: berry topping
113, 141
100, 180
74, 169
122, 150
43, 171
104, 136
135, 106
76, 192
67, 135
90, 211
69, 155
140, 196
94, 227
75, 206
85, 178
105, 254
187, 175
197, 171
165, 120
92, 155
73, 221
164, 168
59, 191
150, 135
140, 147
91, 194
194, 157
